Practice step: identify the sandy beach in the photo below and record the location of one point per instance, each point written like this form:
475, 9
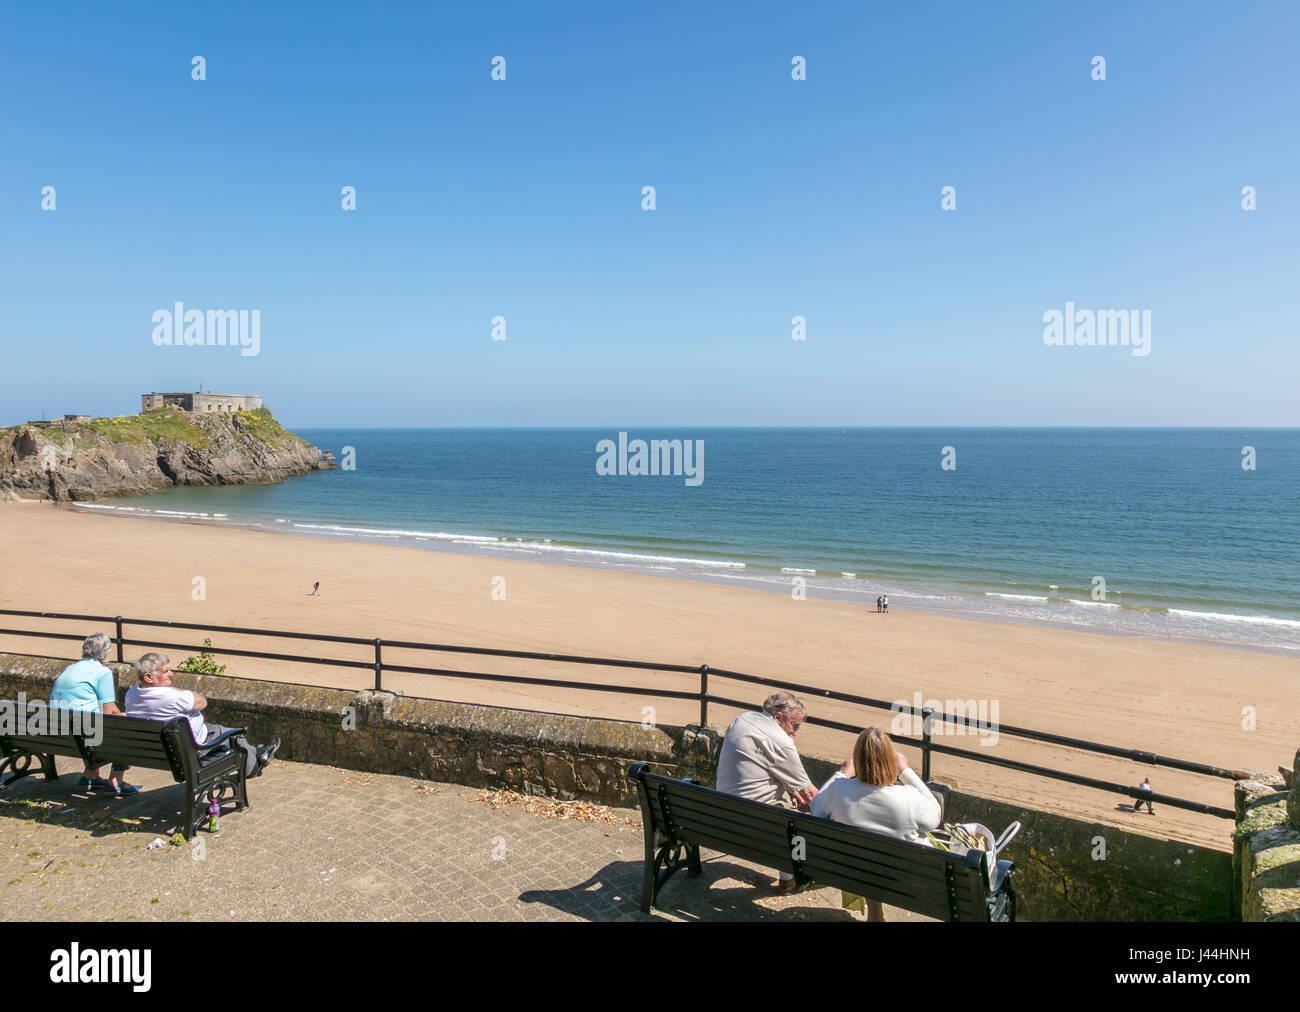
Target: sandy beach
1174, 699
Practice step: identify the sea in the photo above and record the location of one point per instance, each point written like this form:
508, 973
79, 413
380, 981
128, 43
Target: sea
1182, 534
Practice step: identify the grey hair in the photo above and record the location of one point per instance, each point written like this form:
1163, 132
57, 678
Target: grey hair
783, 704
150, 663
95, 647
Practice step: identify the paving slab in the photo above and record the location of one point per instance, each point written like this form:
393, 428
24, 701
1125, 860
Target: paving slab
321, 843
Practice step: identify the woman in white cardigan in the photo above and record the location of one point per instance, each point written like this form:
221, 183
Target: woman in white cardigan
876, 789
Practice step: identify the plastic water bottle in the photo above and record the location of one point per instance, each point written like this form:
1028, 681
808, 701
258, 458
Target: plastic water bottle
214, 810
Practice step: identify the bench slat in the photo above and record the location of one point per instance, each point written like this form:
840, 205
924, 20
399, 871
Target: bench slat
835, 848
918, 875
132, 735
718, 838
770, 848
111, 733
906, 857
760, 818
114, 736
933, 899
44, 743
681, 807
152, 759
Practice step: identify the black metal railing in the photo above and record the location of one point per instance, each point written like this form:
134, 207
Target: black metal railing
704, 672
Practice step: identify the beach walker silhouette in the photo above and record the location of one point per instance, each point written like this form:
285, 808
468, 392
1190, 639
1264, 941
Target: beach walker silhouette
1145, 785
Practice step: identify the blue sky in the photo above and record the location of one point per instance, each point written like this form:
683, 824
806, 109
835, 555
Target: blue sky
775, 198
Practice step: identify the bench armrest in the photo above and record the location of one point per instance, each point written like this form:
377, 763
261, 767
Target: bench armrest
221, 738
1003, 871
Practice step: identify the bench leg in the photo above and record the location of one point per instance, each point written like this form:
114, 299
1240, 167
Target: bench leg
20, 765
661, 863
650, 874
191, 816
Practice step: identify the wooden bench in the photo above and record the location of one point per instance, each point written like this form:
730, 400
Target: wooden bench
681, 816
215, 770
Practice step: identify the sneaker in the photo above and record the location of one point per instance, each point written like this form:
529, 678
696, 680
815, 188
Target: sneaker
98, 784
123, 789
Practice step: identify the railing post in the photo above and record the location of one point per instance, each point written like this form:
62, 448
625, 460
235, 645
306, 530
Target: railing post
704, 696
379, 664
927, 724
118, 622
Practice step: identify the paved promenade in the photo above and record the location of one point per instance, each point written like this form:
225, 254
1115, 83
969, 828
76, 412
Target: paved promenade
321, 843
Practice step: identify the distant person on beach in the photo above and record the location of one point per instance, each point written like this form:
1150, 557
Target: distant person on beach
876, 789
155, 699
884, 601
879, 600
1145, 785
315, 590
89, 685
760, 762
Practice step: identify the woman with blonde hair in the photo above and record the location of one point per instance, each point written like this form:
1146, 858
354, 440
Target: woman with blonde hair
876, 789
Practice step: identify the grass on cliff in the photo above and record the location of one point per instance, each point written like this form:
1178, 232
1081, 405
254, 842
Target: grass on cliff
167, 423
149, 426
261, 425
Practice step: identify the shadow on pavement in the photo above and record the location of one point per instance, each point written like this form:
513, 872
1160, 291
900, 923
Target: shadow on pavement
723, 892
156, 811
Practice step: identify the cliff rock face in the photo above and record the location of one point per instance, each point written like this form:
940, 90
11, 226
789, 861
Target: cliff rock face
79, 461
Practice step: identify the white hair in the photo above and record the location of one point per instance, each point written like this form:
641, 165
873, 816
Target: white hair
95, 647
150, 663
783, 704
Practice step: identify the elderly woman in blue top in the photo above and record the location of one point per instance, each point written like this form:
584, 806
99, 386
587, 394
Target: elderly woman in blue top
89, 685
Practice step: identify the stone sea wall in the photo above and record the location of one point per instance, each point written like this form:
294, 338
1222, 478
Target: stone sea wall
1067, 869
1070, 869
1266, 847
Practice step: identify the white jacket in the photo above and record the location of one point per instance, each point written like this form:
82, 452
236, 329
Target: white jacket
905, 810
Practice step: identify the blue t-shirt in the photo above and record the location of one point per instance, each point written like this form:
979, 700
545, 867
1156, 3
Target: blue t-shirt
84, 686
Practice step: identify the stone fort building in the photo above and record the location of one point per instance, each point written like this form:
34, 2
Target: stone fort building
201, 401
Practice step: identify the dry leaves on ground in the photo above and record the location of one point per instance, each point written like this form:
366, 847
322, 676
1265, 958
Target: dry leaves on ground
550, 808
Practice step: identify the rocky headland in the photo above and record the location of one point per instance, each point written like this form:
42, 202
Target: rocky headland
159, 448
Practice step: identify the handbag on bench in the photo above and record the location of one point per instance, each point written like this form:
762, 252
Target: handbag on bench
962, 838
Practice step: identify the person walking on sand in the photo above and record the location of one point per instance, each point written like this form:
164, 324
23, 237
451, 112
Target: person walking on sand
315, 590
878, 599
884, 601
1145, 785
